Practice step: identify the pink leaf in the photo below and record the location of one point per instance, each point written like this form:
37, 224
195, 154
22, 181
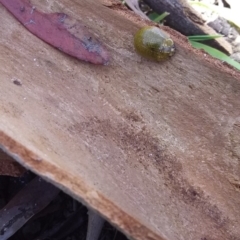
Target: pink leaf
59, 30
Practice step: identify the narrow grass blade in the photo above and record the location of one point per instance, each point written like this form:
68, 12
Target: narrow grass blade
158, 18
215, 53
203, 37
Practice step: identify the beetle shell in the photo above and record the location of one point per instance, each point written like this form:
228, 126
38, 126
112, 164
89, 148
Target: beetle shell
153, 43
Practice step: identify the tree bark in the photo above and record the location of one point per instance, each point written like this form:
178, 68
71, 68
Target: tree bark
152, 147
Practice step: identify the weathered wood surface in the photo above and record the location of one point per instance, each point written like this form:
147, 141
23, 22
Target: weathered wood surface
153, 147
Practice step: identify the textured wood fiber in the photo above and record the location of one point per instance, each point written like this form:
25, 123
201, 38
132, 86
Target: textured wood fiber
153, 147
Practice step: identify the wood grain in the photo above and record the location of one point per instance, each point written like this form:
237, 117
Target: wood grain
154, 148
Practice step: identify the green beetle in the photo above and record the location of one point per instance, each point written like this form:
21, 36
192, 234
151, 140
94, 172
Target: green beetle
153, 43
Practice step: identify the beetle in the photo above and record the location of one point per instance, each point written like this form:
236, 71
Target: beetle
153, 43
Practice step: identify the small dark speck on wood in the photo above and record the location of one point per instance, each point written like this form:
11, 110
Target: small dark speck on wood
17, 82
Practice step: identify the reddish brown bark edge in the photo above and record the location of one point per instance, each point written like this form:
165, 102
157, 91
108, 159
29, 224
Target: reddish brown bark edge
9, 167
59, 30
77, 188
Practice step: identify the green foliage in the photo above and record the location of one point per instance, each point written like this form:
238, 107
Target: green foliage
215, 53
198, 38
155, 17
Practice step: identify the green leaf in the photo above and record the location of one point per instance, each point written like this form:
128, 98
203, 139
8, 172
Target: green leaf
203, 37
158, 18
215, 53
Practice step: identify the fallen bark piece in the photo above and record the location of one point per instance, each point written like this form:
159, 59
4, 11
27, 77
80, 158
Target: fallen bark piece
60, 31
95, 225
29, 201
151, 147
